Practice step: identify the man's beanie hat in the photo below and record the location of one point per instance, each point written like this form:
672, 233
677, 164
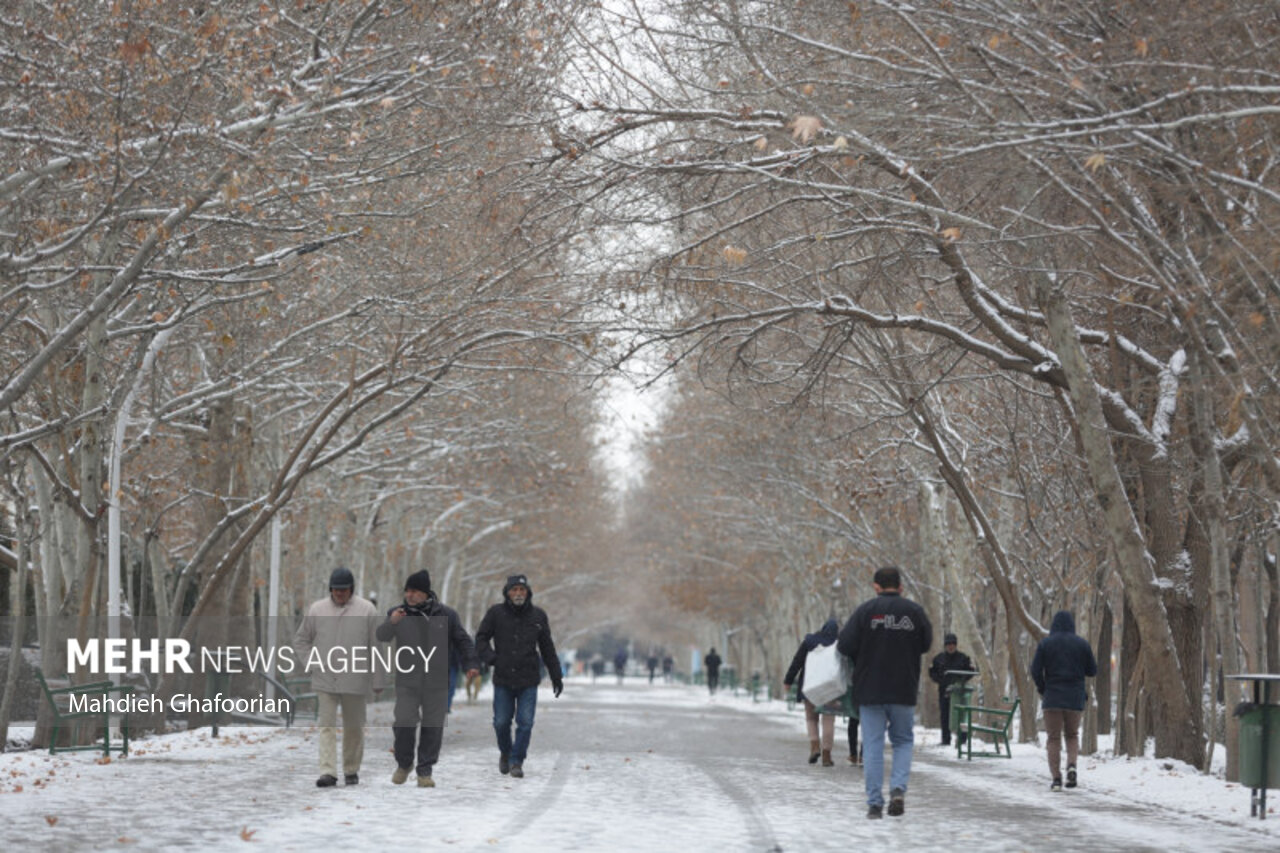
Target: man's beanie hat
949, 639
342, 579
515, 580
420, 580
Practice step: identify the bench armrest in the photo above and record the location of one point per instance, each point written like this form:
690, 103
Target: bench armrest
95, 686
1005, 712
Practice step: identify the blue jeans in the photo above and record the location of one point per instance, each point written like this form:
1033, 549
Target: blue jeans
520, 705
453, 684
899, 720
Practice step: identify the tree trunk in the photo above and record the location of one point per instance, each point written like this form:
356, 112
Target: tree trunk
1102, 684
1211, 516
1269, 559
18, 594
1177, 735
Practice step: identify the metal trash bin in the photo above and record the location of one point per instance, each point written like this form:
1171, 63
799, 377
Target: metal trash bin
958, 694
1251, 756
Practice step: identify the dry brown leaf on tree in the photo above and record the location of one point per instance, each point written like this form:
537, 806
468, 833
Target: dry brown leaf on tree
805, 128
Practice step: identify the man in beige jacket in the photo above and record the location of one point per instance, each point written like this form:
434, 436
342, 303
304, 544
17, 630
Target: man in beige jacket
335, 643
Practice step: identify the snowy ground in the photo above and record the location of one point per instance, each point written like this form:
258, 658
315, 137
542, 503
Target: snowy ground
635, 768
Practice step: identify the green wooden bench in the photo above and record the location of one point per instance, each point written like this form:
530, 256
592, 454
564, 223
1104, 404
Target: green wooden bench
976, 720
219, 682
78, 723
305, 702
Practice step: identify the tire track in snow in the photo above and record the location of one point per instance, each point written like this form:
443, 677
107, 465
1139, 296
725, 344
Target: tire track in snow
758, 826
545, 799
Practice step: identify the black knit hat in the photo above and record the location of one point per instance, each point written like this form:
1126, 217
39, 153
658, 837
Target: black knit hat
341, 579
420, 580
516, 580
949, 640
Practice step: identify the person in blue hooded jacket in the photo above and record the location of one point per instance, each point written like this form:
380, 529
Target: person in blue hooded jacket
824, 636
1062, 662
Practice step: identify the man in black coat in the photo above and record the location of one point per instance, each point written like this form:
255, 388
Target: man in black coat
511, 637
885, 639
1062, 662
950, 659
712, 660
425, 631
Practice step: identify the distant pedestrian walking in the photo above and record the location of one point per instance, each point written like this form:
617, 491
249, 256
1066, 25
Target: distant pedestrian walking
511, 638
342, 622
1062, 662
425, 633
652, 664
950, 659
620, 664
712, 662
818, 746
667, 665
885, 638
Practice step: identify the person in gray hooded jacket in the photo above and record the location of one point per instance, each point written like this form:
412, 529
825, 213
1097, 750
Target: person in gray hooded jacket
424, 630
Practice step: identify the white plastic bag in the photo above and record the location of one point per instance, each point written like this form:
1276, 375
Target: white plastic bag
826, 675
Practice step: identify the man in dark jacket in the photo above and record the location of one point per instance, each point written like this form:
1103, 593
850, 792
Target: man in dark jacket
885, 639
511, 637
1062, 662
950, 659
424, 631
620, 663
712, 660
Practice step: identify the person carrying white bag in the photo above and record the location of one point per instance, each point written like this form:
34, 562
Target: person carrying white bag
820, 674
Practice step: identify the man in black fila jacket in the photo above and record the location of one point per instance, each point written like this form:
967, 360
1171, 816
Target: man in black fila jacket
885, 639
511, 637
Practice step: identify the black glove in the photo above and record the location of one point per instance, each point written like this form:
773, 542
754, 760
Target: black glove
557, 687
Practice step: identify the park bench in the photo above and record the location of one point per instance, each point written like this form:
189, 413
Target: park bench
309, 703
995, 723
305, 702
59, 695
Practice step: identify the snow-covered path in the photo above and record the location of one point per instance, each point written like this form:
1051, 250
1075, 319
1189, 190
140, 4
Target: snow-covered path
636, 767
